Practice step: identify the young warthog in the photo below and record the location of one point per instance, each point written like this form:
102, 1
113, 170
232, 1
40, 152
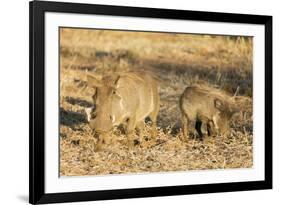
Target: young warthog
202, 105
123, 98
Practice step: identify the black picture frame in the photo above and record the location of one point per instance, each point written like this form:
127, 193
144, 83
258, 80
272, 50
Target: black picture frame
37, 194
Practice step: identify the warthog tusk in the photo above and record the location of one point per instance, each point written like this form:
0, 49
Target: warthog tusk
236, 92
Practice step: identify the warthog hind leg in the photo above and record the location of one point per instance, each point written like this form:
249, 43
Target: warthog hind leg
131, 125
198, 127
140, 128
153, 118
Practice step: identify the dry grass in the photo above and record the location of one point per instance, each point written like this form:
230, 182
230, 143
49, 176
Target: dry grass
179, 60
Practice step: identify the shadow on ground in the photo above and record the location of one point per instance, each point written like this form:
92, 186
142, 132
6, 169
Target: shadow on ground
71, 119
77, 101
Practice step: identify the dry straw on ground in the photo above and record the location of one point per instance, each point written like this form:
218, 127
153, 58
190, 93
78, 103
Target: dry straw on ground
178, 60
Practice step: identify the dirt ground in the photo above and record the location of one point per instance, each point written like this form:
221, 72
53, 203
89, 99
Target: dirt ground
179, 60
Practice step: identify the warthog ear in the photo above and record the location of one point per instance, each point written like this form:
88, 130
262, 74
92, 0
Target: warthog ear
111, 79
219, 104
93, 81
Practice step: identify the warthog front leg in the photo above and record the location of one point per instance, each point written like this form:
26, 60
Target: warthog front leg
211, 128
184, 122
99, 144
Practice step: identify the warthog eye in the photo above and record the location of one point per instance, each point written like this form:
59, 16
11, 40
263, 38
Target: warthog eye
113, 92
111, 118
93, 115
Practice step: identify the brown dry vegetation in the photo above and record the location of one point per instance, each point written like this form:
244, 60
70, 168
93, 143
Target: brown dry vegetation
179, 60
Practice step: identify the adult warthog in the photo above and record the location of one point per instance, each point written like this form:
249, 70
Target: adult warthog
123, 98
202, 105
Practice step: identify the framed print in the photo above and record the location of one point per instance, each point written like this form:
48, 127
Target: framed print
139, 102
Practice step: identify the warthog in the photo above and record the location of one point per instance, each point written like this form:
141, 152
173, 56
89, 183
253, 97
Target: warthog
202, 105
123, 98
